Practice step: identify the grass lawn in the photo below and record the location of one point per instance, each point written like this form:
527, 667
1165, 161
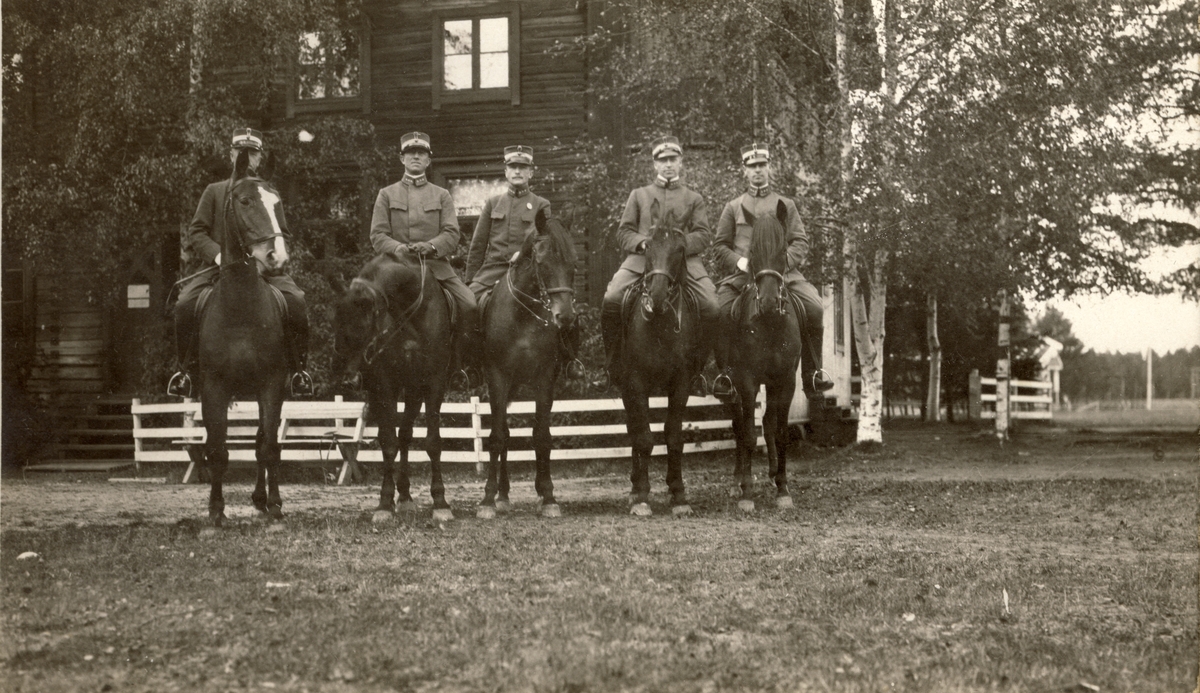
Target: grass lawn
939, 562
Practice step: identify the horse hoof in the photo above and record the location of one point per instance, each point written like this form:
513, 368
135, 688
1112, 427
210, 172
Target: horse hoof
275, 512
486, 512
407, 507
746, 506
503, 506
443, 514
551, 510
684, 510
641, 510
381, 516
784, 503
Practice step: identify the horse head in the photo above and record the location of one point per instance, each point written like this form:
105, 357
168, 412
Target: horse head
768, 260
666, 261
254, 221
358, 317
550, 254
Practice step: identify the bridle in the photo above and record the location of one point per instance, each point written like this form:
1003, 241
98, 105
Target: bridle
544, 293
779, 291
381, 339
236, 227
674, 293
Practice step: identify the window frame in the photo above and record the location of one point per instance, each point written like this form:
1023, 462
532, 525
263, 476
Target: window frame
333, 104
512, 93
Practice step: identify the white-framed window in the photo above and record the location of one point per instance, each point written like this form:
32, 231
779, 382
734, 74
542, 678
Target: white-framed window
332, 70
477, 55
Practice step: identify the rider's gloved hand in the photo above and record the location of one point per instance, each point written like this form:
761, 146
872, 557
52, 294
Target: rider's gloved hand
423, 248
744, 264
515, 256
641, 248
217, 260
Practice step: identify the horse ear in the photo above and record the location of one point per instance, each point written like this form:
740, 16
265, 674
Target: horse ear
781, 213
540, 221
748, 215
266, 167
242, 163
655, 213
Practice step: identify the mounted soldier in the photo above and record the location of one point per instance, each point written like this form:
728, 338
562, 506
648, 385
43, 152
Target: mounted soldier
204, 237
687, 207
416, 216
732, 247
504, 224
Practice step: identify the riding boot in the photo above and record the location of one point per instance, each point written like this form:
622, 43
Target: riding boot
813, 377
301, 383
610, 331
186, 350
568, 347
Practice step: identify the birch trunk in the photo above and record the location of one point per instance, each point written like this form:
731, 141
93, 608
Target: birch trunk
933, 398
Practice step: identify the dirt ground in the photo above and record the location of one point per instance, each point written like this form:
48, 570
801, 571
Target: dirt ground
911, 452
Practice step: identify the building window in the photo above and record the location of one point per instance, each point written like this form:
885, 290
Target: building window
477, 55
332, 71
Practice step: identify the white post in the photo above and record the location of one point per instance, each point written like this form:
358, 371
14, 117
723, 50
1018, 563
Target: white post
1002, 370
477, 425
1149, 379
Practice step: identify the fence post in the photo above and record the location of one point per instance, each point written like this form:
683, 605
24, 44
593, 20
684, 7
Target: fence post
1003, 364
477, 427
974, 396
137, 440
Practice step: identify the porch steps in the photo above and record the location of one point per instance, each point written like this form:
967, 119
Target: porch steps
95, 435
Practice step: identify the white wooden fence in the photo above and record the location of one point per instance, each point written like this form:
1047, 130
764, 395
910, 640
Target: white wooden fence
1028, 399
335, 432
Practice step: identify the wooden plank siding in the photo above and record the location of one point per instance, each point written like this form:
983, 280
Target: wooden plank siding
551, 117
70, 337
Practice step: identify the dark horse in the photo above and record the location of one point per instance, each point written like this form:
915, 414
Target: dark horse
522, 327
661, 352
766, 349
393, 326
243, 351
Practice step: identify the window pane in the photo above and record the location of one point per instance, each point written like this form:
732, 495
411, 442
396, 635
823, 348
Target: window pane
457, 71
457, 37
493, 70
493, 35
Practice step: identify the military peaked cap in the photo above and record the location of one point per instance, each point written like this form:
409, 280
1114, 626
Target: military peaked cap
518, 154
665, 145
247, 138
415, 140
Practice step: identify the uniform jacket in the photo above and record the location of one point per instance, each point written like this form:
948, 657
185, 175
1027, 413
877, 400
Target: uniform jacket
636, 224
406, 213
206, 233
504, 223
733, 235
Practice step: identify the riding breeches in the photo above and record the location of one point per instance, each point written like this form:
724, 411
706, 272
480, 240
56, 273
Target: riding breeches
701, 288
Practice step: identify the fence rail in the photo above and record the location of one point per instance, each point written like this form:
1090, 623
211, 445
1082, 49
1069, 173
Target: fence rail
335, 432
1028, 399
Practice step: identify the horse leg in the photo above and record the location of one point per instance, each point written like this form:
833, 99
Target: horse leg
268, 452
673, 432
777, 405
497, 445
385, 410
259, 496
433, 448
541, 445
412, 405
746, 439
216, 456
637, 423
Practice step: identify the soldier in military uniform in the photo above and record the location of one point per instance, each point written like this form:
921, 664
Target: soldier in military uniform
418, 215
732, 244
204, 236
504, 224
687, 206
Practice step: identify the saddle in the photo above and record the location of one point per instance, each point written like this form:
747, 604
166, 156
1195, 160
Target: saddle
742, 305
280, 301
629, 300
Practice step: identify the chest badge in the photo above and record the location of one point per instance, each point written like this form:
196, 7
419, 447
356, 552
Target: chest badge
528, 205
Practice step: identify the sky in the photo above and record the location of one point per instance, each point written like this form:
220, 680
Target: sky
1133, 323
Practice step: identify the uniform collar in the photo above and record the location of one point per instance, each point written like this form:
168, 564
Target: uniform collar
672, 184
760, 192
415, 181
518, 192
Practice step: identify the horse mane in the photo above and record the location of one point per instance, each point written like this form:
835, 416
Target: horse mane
767, 242
398, 279
561, 243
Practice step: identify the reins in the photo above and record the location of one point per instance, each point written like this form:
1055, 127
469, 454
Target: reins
383, 338
544, 294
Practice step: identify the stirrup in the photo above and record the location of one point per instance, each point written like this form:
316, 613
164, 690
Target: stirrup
460, 380
301, 384
822, 384
180, 385
722, 387
574, 370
